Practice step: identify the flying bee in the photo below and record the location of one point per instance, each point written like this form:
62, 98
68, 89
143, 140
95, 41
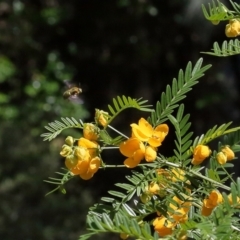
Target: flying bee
72, 93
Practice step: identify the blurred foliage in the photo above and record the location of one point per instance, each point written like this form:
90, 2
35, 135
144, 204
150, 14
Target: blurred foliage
121, 47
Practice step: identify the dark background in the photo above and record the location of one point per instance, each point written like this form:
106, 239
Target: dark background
130, 47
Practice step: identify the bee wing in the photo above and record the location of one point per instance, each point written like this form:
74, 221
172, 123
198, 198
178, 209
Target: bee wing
75, 99
67, 83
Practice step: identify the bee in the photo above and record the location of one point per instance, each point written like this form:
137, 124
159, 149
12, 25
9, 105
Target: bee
72, 93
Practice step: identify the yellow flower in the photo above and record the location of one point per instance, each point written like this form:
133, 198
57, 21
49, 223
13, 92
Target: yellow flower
231, 201
163, 226
178, 175
81, 153
233, 28
153, 188
84, 161
214, 199
134, 150
184, 205
145, 132
81, 167
90, 145
90, 131
229, 153
101, 117
221, 158
180, 215
91, 169
200, 153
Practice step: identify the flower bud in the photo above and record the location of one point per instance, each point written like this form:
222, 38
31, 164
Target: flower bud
145, 198
221, 158
90, 131
101, 117
200, 153
150, 154
233, 28
69, 141
66, 151
81, 153
153, 188
229, 153
215, 22
71, 161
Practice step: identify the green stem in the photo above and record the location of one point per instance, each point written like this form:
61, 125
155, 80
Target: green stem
103, 148
115, 130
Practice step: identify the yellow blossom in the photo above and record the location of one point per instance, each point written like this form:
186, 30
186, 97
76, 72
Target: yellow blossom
145, 132
134, 150
163, 226
90, 131
214, 199
81, 153
200, 153
178, 175
101, 117
221, 158
233, 28
90, 145
231, 200
91, 169
153, 188
229, 153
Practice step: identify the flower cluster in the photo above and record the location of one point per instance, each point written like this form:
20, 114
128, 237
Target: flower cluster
233, 28
178, 213
83, 159
143, 143
82, 155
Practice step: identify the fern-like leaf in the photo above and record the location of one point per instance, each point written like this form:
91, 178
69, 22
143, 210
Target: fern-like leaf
55, 128
176, 93
120, 222
228, 49
183, 141
122, 103
217, 12
60, 182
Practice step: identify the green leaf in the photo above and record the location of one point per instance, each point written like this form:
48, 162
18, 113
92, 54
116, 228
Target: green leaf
228, 49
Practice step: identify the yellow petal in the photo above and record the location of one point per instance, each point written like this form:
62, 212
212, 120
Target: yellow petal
143, 130
86, 176
80, 168
94, 164
128, 147
162, 128
130, 163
